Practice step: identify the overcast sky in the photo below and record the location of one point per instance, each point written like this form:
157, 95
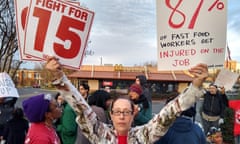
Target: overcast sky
124, 31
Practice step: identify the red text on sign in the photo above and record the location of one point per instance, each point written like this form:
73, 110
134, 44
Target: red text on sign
78, 13
64, 33
204, 51
174, 53
50, 4
44, 17
184, 62
175, 10
68, 31
218, 50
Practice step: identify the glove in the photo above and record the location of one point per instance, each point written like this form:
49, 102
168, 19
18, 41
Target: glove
220, 121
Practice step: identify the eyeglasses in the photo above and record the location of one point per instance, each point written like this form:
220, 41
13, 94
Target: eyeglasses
125, 113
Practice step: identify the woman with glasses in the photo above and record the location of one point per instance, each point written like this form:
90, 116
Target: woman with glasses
121, 111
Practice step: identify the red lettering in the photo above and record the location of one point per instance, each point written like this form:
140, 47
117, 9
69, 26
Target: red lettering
44, 17
65, 34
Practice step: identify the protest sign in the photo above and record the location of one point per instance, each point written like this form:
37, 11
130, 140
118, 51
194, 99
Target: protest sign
7, 87
190, 32
21, 10
57, 28
226, 78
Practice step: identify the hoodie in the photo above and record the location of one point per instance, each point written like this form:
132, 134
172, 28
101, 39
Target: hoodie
183, 131
143, 83
143, 80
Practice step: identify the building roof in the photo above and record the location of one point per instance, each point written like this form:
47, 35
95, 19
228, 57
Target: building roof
108, 72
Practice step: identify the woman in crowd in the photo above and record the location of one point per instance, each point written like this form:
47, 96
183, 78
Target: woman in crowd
41, 111
142, 106
121, 111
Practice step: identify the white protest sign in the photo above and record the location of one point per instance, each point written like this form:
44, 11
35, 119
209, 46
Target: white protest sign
21, 10
7, 87
74, 2
190, 32
57, 28
226, 78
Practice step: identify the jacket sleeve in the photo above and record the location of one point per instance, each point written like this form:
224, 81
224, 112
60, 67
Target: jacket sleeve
222, 106
160, 123
91, 127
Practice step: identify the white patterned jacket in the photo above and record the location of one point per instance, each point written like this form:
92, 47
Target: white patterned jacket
100, 133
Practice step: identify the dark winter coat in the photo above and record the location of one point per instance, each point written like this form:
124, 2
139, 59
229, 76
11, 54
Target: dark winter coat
183, 131
6, 110
213, 105
15, 131
144, 85
145, 113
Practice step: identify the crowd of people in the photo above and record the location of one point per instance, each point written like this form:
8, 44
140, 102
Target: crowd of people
74, 116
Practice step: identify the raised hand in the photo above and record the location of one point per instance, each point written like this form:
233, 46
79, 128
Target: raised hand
54, 67
200, 73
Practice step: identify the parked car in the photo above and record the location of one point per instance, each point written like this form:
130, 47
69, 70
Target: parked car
36, 86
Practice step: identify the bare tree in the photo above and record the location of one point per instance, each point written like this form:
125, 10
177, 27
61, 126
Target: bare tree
8, 40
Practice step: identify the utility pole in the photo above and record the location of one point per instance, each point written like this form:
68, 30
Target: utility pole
101, 61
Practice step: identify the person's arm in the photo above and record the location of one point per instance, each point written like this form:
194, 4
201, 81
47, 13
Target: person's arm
159, 125
222, 106
86, 118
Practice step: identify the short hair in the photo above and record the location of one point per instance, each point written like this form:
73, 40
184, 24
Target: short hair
99, 98
142, 79
57, 95
18, 112
122, 97
214, 85
85, 86
213, 130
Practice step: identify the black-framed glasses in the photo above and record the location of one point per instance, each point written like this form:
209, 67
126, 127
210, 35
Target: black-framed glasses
125, 113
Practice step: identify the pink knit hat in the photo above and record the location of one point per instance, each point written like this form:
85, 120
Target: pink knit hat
136, 88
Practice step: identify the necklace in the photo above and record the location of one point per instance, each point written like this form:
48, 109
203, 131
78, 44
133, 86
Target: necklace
48, 126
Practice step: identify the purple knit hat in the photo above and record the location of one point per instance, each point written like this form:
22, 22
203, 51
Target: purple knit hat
136, 88
35, 107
